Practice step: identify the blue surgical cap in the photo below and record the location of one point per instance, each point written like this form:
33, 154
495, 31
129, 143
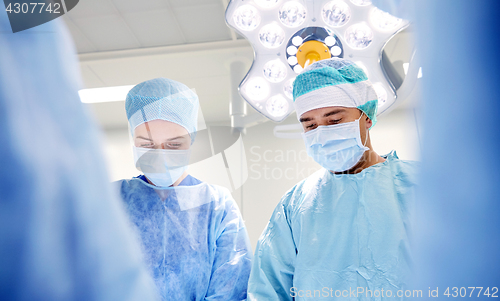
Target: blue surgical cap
334, 82
163, 99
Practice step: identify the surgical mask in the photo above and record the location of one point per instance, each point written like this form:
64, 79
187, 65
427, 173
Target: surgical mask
161, 166
336, 147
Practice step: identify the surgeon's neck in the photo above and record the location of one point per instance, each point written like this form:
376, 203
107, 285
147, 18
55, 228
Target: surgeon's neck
184, 175
369, 158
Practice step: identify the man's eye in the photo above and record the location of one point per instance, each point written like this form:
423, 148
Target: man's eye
147, 145
335, 121
310, 126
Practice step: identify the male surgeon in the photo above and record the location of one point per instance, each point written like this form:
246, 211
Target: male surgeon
343, 232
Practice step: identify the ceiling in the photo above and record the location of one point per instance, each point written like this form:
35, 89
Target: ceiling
125, 42
105, 25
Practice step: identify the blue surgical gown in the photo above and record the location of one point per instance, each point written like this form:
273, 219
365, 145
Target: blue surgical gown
331, 234
193, 237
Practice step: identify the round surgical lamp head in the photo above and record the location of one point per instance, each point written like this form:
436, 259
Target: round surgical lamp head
289, 35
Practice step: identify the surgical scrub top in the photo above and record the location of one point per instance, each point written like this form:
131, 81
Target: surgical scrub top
339, 237
193, 237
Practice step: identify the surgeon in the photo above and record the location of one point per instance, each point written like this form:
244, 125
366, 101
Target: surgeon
343, 232
193, 237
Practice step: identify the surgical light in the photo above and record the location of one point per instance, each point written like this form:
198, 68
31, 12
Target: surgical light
291, 50
384, 21
275, 71
362, 66
381, 93
312, 51
292, 59
289, 35
257, 89
336, 13
336, 51
271, 35
277, 105
247, 17
330, 41
266, 3
359, 36
362, 2
292, 14
298, 69
288, 88
297, 40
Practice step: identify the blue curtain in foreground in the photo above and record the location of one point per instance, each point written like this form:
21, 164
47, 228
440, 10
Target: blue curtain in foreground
63, 233
457, 241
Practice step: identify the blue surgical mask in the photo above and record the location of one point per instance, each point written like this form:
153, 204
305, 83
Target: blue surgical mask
336, 147
161, 166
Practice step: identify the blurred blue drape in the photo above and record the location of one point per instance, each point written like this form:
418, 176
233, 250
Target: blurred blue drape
63, 232
457, 240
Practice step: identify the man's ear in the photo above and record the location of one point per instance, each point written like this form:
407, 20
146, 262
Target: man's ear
368, 123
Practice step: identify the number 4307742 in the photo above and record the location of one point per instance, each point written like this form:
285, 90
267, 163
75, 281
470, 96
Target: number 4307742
462, 291
26, 8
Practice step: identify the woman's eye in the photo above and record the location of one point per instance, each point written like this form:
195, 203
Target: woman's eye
171, 145
147, 145
335, 121
310, 126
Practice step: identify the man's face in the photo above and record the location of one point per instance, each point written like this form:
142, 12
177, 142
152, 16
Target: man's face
161, 134
334, 115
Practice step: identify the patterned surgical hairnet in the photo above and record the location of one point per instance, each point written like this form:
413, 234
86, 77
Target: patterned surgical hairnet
163, 99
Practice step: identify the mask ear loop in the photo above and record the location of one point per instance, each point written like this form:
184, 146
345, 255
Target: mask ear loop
366, 136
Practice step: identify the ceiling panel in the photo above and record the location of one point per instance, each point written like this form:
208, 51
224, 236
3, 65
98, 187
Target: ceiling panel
213, 93
82, 43
209, 26
178, 66
90, 78
92, 8
110, 115
194, 3
154, 28
103, 25
129, 6
107, 32
205, 71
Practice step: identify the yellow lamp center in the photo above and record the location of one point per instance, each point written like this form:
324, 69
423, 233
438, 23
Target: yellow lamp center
312, 51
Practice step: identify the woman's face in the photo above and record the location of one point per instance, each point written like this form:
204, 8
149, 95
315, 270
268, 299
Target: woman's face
161, 134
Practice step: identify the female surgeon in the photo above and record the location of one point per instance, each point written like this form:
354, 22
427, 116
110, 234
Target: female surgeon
193, 237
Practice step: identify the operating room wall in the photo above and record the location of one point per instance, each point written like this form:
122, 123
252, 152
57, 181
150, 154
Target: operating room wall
276, 165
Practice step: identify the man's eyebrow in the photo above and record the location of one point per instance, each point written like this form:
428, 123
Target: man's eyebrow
175, 138
140, 137
336, 111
